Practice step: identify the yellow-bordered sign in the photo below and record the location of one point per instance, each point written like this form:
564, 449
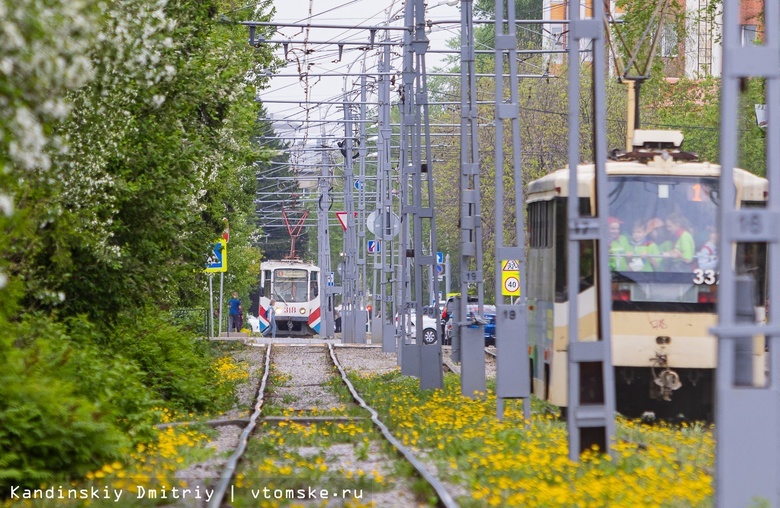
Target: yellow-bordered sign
217, 259
510, 277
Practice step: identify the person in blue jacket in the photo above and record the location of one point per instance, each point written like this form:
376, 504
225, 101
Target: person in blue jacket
271, 316
235, 311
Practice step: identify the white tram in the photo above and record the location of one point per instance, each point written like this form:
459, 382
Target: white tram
663, 303
294, 285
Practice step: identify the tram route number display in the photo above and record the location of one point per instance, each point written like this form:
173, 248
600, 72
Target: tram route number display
707, 277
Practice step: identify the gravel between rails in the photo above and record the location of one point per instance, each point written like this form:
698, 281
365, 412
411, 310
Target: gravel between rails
305, 371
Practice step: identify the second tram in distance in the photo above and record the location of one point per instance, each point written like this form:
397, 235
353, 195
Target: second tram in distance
293, 285
664, 272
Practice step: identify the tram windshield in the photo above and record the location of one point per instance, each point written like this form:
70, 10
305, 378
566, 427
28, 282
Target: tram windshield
663, 239
291, 285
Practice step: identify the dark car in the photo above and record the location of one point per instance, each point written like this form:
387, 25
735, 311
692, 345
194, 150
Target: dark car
489, 314
490, 327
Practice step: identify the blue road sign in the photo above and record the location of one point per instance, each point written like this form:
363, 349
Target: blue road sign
359, 185
217, 258
440, 258
374, 246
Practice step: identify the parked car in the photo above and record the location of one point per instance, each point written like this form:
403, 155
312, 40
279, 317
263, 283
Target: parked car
489, 315
490, 326
447, 310
429, 334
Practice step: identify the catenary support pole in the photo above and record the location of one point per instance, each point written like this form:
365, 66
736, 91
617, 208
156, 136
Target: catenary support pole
747, 414
591, 413
471, 325
512, 367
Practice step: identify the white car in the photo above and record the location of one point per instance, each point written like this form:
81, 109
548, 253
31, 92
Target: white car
429, 335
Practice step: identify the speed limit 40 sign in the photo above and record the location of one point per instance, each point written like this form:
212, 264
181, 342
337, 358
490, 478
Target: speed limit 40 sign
510, 277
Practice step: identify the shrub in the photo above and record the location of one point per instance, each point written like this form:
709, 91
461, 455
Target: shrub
50, 428
176, 364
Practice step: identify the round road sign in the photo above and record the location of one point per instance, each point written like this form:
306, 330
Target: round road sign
386, 220
511, 284
371, 220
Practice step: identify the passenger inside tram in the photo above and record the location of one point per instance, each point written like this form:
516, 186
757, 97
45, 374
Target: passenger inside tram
643, 254
684, 247
618, 246
707, 257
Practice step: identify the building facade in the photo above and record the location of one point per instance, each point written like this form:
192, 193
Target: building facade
695, 51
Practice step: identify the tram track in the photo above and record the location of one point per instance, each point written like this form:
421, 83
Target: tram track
490, 363
271, 385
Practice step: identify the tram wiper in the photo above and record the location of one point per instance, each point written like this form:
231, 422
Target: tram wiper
280, 295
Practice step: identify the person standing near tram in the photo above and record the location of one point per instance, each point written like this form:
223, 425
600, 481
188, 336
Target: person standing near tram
271, 316
235, 313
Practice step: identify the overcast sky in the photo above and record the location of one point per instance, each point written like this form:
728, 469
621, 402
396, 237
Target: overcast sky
324, 58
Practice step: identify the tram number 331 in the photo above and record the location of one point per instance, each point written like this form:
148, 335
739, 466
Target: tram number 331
708, 277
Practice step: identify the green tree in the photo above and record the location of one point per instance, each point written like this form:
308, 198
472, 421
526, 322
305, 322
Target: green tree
690, 105
126, 138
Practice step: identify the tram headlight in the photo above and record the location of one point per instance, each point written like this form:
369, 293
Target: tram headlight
303, 311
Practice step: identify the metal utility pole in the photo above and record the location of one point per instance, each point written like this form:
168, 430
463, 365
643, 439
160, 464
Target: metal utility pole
350, 280
471, 327
512, 368
418, 358
447, 276
591, 413
384, 230
327, 279
747, 417
360, 184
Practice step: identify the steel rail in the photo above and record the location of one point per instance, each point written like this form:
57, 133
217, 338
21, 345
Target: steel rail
444, 497
230, 467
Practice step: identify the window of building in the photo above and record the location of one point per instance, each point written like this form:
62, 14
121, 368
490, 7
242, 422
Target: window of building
558, 38
749, 35
669, 41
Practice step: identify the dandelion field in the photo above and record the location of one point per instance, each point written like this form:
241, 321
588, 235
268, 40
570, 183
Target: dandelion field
484, 461
337, 456
509, 463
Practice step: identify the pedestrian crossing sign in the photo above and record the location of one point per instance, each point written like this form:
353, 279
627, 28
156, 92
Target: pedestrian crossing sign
217, 258
511, 265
